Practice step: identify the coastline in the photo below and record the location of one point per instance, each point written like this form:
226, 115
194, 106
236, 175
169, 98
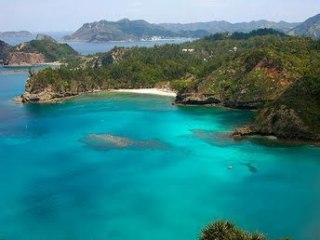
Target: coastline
47, 97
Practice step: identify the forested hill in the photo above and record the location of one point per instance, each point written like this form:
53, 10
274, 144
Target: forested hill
224, 26
120, 30
44, 50
235, 70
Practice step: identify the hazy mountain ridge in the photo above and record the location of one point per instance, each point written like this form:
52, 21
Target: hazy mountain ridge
309, 28
14, 34
224, 26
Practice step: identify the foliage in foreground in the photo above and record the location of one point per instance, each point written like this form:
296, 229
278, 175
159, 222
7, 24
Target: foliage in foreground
224, 230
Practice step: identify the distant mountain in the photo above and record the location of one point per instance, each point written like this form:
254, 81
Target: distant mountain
139, 29
223, 26
11, 34
117, 31
309, 28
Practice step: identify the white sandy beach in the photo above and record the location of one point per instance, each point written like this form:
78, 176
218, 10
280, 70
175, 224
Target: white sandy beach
152, 91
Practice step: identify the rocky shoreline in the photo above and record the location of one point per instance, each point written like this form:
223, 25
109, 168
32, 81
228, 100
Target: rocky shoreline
197, 99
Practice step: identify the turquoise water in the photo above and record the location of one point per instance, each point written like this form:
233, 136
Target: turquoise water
167, 181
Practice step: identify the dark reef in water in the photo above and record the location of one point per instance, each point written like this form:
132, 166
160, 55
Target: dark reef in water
103, 142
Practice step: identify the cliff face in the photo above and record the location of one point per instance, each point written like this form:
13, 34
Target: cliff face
204, 99
283, 122
35, 52
22, 58
294, 115
45, 95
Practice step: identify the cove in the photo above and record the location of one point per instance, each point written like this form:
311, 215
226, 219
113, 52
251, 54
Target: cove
125, 166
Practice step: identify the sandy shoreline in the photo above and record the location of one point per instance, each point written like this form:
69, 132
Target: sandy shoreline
151, 91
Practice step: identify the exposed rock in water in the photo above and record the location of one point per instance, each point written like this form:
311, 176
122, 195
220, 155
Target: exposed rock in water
108, 141
246, 130
23, 58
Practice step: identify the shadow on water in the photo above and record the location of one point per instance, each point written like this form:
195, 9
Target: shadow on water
224, 116
273, 142
250, 167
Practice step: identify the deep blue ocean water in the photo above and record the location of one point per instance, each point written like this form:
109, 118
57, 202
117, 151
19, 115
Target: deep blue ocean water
167, 178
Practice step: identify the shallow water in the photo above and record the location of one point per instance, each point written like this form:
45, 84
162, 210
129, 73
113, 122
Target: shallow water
54, 185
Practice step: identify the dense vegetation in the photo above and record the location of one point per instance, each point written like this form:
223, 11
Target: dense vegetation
246, 63
224, 26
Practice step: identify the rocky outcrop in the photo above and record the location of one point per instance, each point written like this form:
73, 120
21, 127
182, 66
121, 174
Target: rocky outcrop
41, 37
22, 58
202, 99
281, 122
196, 99
46, 95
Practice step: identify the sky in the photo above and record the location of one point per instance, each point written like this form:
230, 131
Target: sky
69, 15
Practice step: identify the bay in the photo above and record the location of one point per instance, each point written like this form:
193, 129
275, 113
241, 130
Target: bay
126, 166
